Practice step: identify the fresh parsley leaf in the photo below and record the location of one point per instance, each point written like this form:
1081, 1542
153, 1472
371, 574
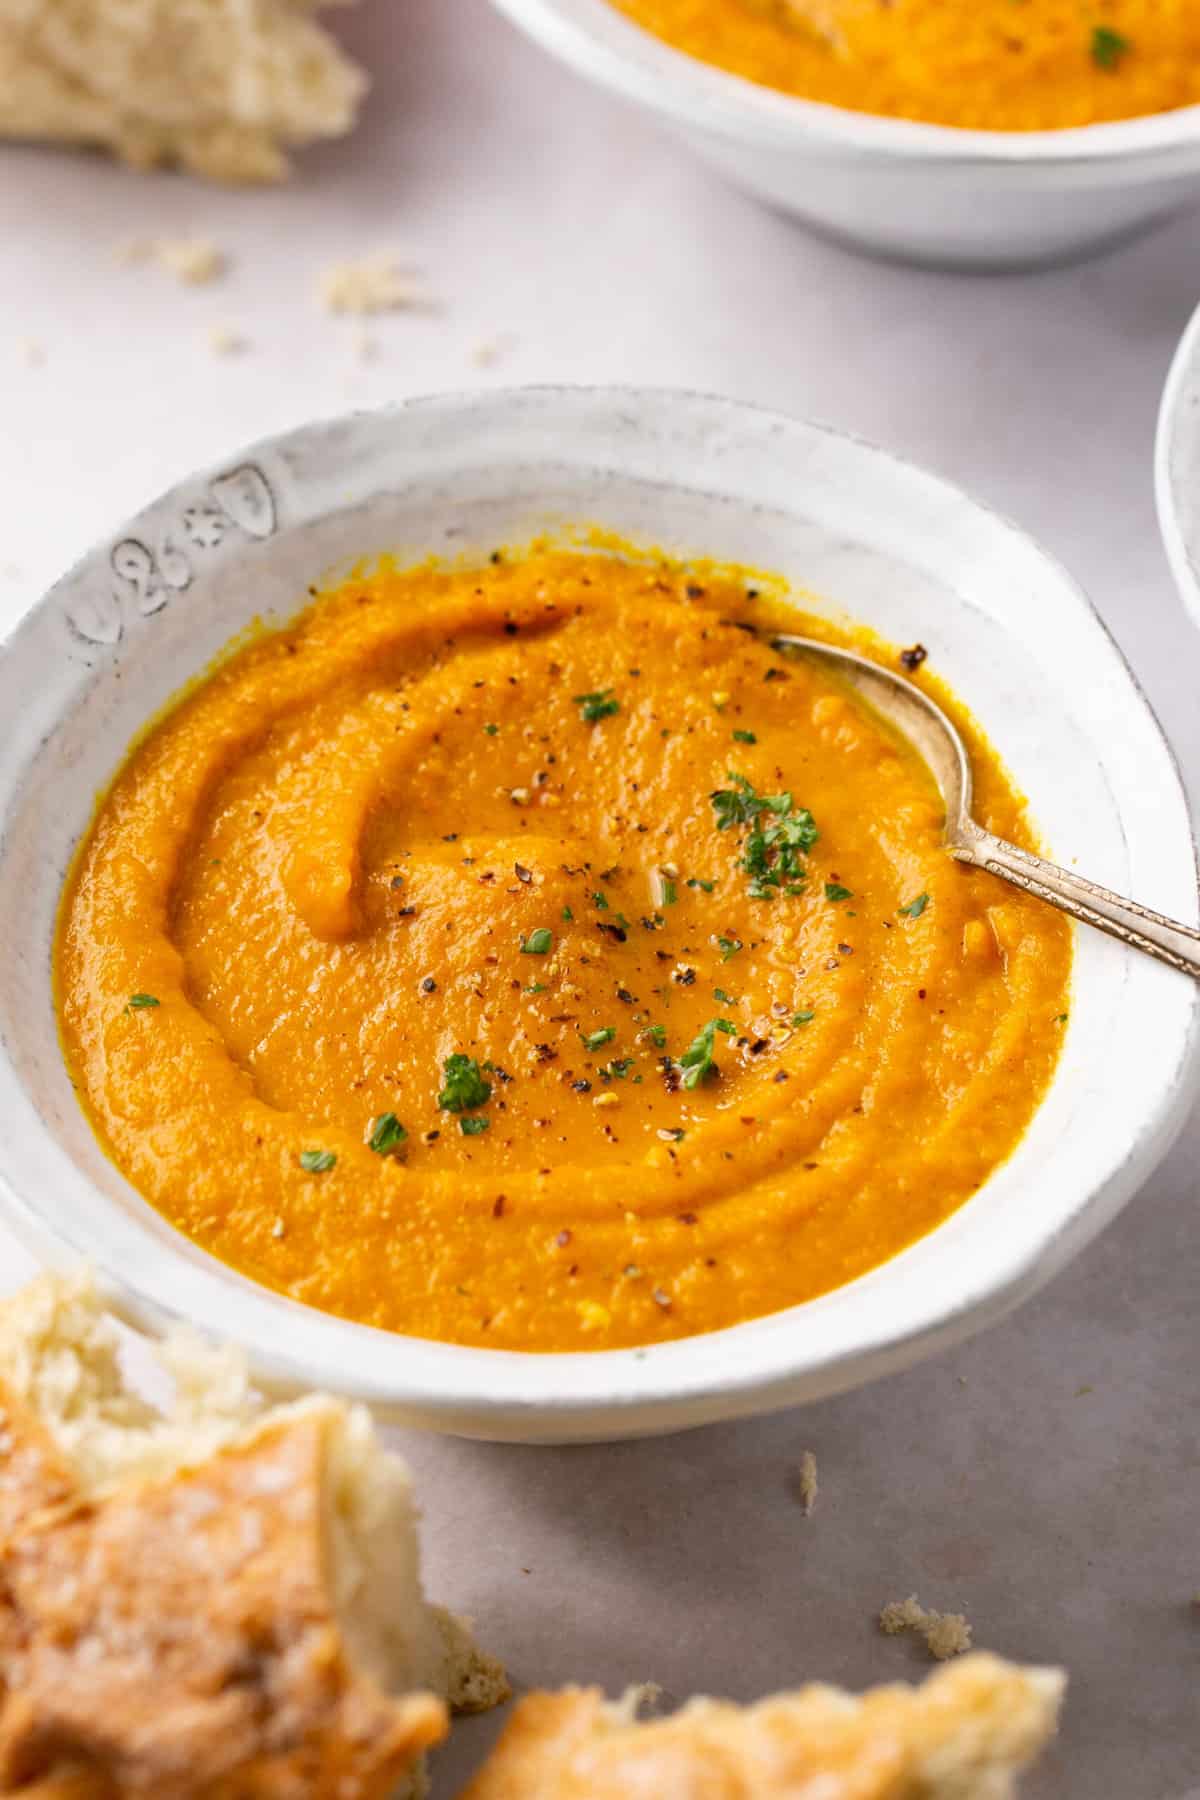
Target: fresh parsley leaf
803, 1018
729, 947
139, 1002
599, 901
1109, 47
657, 1035
595, 1040
473, 1126
694, 881
465, 1087
600, 705
744, 737
697, 1060
780, 835
387, 1134
723, 997
834, 891
668, 894
567, 914
318, 1162
491, 730
915, 908
538, 943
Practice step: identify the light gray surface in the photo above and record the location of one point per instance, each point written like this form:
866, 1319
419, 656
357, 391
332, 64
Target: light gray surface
1065, 1523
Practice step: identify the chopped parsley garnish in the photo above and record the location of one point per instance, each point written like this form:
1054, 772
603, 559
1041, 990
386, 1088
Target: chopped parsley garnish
773, 852
387, 1134
491, 730
567, 914
835, 891
1109, 47
744, 737
599, 901
803, 1018
595, 1040
139, 1002
600, 705
618, 1069
472, 1127
723, 997
318, 1162
729, 947
668, 893
535, 987
538, 943
657, 1035
915, 908
695, 881
465, 1087
697, 1060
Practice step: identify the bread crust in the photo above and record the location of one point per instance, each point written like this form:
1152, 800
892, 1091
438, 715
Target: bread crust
177, 1637
964, 1735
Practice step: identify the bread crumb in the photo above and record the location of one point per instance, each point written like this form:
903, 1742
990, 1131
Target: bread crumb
194, 261
945, 1634
224, 341
486, 352
371, 285
806, 1483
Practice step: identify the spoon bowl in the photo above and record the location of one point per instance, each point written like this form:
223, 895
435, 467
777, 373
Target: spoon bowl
937, 741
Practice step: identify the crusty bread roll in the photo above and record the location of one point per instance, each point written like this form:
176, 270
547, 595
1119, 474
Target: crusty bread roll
964, 1735
222, 87
210, 1601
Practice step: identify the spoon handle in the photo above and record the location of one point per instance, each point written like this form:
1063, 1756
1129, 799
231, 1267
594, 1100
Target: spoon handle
1158, 936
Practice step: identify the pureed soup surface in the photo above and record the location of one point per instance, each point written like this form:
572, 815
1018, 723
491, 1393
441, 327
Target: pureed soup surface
986, 65
532, 957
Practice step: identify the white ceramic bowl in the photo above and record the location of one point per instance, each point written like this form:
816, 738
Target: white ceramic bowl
889, 544
921, 193
1177, 468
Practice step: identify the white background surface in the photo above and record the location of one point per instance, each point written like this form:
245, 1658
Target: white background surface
1064, 1521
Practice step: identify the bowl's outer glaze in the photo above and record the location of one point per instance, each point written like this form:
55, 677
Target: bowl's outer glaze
876, 538
1178, 467
899, 189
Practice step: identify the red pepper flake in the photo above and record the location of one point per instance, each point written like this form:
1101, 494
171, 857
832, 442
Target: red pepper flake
429, 985
912, 659
687, 1218
781, 1075
498, 1207
522, 873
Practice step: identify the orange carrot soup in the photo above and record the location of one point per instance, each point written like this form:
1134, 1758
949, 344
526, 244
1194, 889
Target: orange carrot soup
532, 956
994, 65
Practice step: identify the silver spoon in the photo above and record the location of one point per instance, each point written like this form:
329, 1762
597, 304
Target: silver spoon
931, 733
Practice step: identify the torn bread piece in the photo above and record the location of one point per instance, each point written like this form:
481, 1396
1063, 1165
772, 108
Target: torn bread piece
224, 88
966, 1734
212, 1599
